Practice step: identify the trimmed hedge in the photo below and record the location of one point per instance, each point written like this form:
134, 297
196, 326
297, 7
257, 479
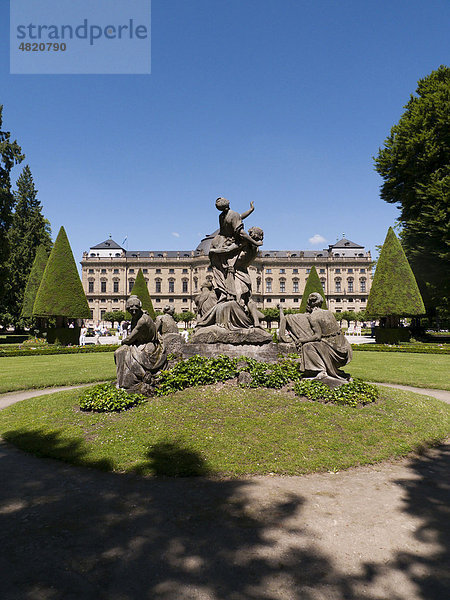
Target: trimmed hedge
140, 290
61, 293
34, 281
394, 288
407, 349
58, 350
312, 285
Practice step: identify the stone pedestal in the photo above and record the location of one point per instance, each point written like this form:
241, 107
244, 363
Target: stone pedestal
269, 352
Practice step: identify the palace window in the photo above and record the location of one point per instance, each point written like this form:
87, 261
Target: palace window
145, 270
362, 284
349, 270
268, 270
322, 281
91, 270
308, 271
337, 270
295, 299
157, 286
337, 284
130, 270
102, 270
282, 299
171, 286
91, 287
115, 287
294, 270
268, 285
158, 271
116, 271
130, 284
103, 286
350, 284
171, 270
282, 270
321, 270
282, 285
295, 287
185, 286
184, 271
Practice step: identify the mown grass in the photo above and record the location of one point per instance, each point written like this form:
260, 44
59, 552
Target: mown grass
226, 431
419, 370
34, 372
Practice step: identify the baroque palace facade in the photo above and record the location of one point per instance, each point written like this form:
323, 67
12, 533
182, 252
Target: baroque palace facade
175, 276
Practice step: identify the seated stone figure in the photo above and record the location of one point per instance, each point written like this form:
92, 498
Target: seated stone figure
322, 346
141, 354
205, 300
166, 323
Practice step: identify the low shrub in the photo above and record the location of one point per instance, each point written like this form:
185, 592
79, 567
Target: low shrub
33, 342
196, 370
105, 397
271, 375
354, 393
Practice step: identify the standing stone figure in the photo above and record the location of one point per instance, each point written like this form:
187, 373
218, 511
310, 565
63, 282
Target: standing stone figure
226, 246
141, 354
322, 346
166, 323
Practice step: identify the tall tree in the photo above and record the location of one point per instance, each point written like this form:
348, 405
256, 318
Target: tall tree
415, 166
10, 155
28, 231
140, 290
61, 293
313, 284
394, 292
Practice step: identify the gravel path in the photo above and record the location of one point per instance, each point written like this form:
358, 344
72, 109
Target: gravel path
377, 533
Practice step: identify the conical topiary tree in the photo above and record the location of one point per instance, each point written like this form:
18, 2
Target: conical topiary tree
394, 292
33, 282
140, 290
61, 293
312, 285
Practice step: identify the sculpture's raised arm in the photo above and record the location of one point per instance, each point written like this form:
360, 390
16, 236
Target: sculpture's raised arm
248, 212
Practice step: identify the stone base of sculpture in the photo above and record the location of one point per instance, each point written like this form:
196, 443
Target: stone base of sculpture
173, 343
263, 352
214, 334
228, 323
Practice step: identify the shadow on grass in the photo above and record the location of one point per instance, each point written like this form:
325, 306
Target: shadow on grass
74, 533
55, 445
173, 459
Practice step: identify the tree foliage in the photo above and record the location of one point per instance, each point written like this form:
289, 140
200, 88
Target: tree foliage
394, 290
415, 166
140, 290
61, 292
312, 285
28, 231
33, 282
185, 317
10, 155
115, 316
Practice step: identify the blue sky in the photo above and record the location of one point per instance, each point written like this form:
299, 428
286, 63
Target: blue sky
283, 102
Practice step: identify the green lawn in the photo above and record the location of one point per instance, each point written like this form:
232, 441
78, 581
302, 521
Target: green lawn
224, 430
25, 372
419, 370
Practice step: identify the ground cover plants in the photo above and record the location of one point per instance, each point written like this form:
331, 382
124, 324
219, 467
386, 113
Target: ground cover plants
224, 430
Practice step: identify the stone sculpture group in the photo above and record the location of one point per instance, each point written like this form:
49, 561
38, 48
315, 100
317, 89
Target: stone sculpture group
229, 322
